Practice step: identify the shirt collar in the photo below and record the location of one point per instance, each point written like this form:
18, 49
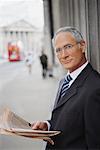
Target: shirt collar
75, 73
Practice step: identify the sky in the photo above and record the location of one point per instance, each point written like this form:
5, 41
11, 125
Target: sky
14, 10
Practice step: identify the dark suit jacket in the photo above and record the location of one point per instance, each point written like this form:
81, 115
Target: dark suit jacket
77, 114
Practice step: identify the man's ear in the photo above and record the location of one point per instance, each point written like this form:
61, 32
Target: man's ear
83, 46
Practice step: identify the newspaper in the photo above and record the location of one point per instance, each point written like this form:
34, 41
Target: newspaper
12, 124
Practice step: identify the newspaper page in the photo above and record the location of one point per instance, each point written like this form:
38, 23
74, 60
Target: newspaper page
12, 124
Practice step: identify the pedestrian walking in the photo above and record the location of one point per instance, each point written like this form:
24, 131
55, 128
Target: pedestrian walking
44, 64
29, 62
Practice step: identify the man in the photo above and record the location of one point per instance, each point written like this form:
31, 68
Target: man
44, 63
76, 111
29, 62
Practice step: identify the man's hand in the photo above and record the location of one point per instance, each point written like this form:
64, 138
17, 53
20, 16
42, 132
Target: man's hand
38, 125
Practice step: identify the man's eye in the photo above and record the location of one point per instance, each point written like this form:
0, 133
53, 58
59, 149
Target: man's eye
68, 46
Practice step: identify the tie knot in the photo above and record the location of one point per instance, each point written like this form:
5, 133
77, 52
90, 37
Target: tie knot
68, 78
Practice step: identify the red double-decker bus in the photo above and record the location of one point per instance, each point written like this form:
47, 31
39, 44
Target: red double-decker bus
13, 52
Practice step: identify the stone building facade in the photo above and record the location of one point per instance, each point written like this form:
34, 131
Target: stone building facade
28, 37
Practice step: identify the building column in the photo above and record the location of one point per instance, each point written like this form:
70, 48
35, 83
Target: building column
1, 43
5, 43
47, 33
24, 42
93, 33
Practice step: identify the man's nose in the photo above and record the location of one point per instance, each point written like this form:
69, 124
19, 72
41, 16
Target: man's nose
64, 53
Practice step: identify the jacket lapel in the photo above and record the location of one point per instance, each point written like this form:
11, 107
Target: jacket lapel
70, 92
73, 89
58, 93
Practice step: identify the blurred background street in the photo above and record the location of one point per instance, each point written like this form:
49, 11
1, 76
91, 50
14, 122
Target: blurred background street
28, 95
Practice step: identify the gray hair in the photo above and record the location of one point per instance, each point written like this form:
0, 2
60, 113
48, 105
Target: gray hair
75, 32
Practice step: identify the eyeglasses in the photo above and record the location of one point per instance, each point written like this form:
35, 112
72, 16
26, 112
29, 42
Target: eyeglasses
65, 48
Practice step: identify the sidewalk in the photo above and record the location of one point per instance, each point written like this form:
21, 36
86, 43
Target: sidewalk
31, 97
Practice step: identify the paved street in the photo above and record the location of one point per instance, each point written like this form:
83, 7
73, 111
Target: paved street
27, 95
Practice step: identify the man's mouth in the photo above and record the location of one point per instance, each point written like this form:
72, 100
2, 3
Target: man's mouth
66, 61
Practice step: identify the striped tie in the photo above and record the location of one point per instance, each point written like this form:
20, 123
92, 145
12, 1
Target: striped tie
65, 85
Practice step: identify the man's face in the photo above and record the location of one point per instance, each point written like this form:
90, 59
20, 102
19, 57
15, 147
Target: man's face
69, 52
